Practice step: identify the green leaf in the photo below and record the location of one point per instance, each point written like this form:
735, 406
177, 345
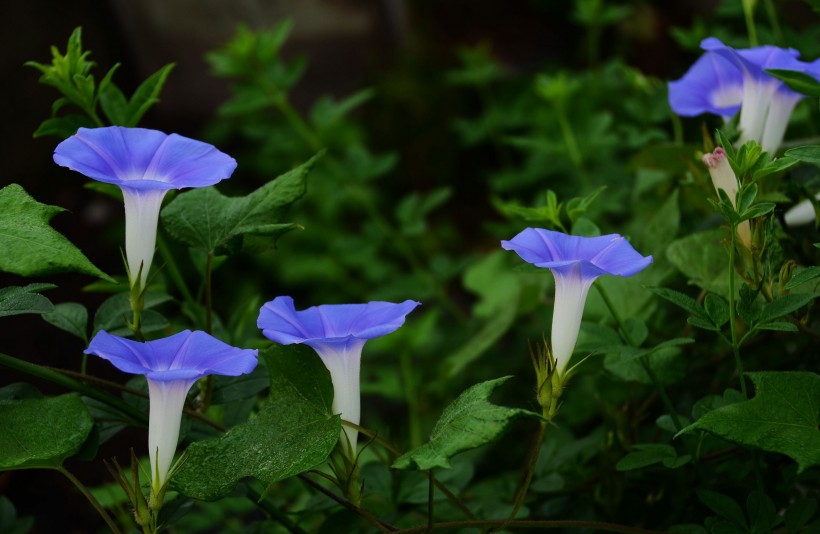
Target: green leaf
232, 388
63, 127
682, 300
42, 432
724, 506
70, 317
797, 81
644, 454
114, 105
762, 512
206, 219
717, 309
702, 258
579, 205
17, 300
30, 246
666, 362
469, 422
784, 305
746, 196
146, 95
806, 154
294, 431
800, 513
803, 276
773, 167
782, 417
758, 210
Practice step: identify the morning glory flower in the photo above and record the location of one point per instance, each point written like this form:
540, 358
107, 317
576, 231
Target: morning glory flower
575, 263
725, 79
145, 164
723, 177
171, 365
712, 85
337, 332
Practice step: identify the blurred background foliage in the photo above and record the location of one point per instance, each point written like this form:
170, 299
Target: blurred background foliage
448, 126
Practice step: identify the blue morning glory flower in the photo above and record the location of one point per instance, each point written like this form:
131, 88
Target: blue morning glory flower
575, 263
145, 164
712, 85
725, 79
337, 332
171, 365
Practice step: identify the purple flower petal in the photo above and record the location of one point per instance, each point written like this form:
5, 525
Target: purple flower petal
139, 158
183, 356
330, 324
712, 85
608, 254
753, 61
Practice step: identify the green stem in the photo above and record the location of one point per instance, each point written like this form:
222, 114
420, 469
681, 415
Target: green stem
378, 523
667, 402
396, 452
732, 305
91, 499
771, 12
748, 12
137, 416
533, 524
529, 471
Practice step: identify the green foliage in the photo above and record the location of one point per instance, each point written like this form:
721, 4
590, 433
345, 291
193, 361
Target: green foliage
70, 317
30, 246
70, 74
468, 422
782, 417
294, 431
41, 433
207, 220
16, 300
647, 454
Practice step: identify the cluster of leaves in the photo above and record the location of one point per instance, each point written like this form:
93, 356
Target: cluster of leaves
584, 151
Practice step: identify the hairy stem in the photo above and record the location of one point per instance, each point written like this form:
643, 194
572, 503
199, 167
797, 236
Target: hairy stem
529, 471
91, 499
732, 306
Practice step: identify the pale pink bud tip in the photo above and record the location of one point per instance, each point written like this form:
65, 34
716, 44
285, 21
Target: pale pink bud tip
715, 158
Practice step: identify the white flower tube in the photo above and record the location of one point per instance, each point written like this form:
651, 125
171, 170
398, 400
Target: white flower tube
344, 367
141, 217
167, 400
